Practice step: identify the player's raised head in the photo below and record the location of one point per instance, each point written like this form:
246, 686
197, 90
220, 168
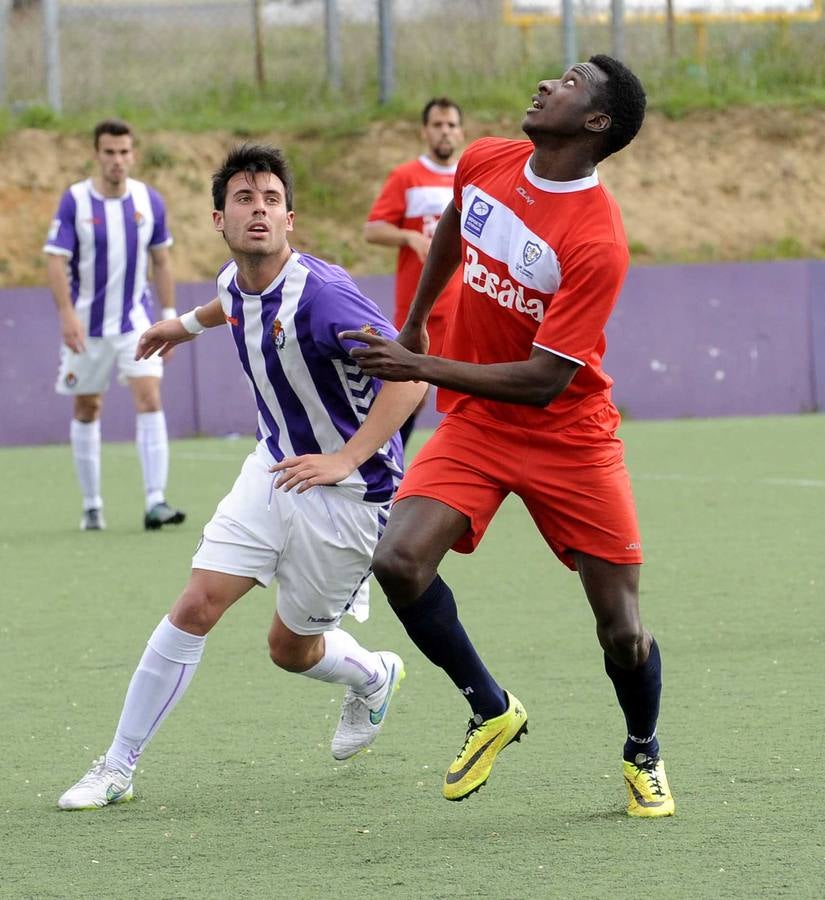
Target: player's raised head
252, 159
622, 97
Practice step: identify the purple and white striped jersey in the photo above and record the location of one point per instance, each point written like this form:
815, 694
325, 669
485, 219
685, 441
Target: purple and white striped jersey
107, 242
310, 393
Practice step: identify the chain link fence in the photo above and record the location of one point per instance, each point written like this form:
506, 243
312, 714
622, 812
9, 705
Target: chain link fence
152, 52
176, 55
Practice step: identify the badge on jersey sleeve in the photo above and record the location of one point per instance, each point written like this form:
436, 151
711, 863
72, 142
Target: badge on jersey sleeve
477, 216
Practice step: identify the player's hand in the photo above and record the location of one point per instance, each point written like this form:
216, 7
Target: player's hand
419, 244
161, 338
74, 335
309, 470
416, 340
383, 358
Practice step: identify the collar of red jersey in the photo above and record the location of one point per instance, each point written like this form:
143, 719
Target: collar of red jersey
435, 167
560, 187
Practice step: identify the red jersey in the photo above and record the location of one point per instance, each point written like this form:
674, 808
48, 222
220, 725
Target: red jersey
542, 265
414, 196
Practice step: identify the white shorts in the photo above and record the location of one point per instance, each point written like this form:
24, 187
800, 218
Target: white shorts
317, 545
88, 372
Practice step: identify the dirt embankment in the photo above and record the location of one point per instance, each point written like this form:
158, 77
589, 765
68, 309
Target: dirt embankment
733, 185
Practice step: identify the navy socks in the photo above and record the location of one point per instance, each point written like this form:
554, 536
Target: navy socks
433, 626
638, 692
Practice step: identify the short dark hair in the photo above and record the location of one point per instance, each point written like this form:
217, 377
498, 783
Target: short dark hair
443, 103
252, 159
623, 99
115, 127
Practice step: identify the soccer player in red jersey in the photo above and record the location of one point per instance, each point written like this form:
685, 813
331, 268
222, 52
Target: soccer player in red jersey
406, 212
543, 256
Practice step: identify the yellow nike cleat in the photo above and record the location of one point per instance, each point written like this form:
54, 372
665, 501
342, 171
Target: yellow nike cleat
485, 740
647, 788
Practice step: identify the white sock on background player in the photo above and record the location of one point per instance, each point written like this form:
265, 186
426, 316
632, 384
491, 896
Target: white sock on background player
153, 449
85, 441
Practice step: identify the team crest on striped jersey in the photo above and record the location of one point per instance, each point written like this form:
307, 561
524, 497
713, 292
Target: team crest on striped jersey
139, 217
278, 334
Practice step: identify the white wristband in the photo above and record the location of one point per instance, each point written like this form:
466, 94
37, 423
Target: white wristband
190, 322
168, 312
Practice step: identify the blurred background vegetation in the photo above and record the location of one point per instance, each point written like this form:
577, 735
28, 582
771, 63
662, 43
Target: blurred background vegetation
190, 65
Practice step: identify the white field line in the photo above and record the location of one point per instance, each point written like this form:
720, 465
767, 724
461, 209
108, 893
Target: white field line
713, 479
208, 456
212, 456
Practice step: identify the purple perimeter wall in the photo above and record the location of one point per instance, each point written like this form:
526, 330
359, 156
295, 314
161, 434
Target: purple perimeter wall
709, 340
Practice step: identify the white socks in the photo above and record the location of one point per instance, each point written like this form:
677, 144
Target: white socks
345, 661
153, 449
169, 663
160, 680
85, 440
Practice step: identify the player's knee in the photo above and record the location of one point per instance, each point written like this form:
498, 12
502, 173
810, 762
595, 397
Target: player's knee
196, 611
281, 654
625, 644
147, 402
398, 571
87, 408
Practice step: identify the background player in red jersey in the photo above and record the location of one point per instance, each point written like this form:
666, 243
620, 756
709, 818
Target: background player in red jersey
528, 408
407, 210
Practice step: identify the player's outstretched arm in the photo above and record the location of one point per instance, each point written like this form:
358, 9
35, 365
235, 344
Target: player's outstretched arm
535, 381
163, 336
391, 408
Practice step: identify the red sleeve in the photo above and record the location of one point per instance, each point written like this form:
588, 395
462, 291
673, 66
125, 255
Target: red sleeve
592, 277
470, 159
460, 178
391, 204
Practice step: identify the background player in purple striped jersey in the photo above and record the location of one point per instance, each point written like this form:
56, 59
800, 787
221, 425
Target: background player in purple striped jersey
99, 244
311, 500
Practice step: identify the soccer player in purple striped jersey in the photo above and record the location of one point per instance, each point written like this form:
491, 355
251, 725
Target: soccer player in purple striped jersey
106, 230
311, 500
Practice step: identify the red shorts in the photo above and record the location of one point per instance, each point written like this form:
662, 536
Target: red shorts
573, 482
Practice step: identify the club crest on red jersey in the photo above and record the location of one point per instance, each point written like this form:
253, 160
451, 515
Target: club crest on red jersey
278, 334
531, 253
